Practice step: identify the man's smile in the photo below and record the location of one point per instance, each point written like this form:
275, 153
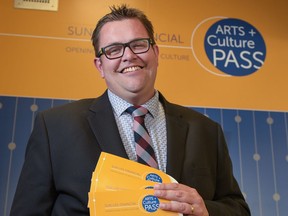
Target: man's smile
131, 69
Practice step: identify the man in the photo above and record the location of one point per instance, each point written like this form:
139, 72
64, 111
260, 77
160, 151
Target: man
66, 141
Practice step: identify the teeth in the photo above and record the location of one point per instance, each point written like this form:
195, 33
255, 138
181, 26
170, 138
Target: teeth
130, 69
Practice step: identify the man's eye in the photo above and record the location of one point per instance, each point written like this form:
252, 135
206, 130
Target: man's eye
139, 45
113, 50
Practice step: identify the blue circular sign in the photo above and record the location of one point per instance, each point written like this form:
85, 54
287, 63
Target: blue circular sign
153, 177
235, 47
150, 203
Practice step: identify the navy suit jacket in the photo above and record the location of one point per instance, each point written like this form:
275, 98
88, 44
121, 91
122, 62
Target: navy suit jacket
66, 143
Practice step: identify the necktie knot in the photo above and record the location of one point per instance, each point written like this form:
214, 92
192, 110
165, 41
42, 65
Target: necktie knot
136, 111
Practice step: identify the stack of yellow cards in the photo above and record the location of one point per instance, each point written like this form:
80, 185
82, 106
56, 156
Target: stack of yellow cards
123, 187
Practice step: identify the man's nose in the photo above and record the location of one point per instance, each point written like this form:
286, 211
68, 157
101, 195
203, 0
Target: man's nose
128, 53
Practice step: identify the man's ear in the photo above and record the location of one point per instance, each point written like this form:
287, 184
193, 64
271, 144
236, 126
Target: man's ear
98, 65
156, 50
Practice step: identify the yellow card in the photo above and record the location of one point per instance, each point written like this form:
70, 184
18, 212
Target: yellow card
116, 173
128, 203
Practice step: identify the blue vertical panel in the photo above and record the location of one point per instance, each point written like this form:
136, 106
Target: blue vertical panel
246, 149
22, 129
230, 128
284, 169
279, 164
265, 163
254, 199
16, 123
7, 111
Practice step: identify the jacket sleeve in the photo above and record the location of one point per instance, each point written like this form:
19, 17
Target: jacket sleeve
35, 193
228, 199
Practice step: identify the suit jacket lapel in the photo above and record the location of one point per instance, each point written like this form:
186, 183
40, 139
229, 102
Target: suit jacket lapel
104, 127
177, 129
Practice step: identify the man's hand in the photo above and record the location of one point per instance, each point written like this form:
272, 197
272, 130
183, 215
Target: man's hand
184, 199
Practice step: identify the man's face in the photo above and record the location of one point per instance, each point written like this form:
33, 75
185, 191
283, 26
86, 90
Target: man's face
132, 76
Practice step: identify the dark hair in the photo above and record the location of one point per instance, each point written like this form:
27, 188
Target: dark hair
119, 13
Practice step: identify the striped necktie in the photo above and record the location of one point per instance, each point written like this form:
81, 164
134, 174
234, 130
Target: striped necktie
144, 150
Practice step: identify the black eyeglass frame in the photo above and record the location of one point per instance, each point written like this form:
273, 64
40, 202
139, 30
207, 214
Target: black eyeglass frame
102, 50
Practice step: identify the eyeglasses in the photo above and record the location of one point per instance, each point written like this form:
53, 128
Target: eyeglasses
116, 50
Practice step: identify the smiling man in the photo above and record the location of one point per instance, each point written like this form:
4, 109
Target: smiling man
132, 120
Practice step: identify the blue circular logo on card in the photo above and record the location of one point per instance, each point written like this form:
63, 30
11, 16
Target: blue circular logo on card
150, 203
235, 47
153, 177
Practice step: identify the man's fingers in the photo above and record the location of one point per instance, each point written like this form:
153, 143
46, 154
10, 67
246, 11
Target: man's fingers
180, 196
179, 207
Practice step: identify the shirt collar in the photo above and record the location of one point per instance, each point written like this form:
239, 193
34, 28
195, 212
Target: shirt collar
120, 105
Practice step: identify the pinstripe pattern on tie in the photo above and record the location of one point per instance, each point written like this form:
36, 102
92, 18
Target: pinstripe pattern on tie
144, 150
